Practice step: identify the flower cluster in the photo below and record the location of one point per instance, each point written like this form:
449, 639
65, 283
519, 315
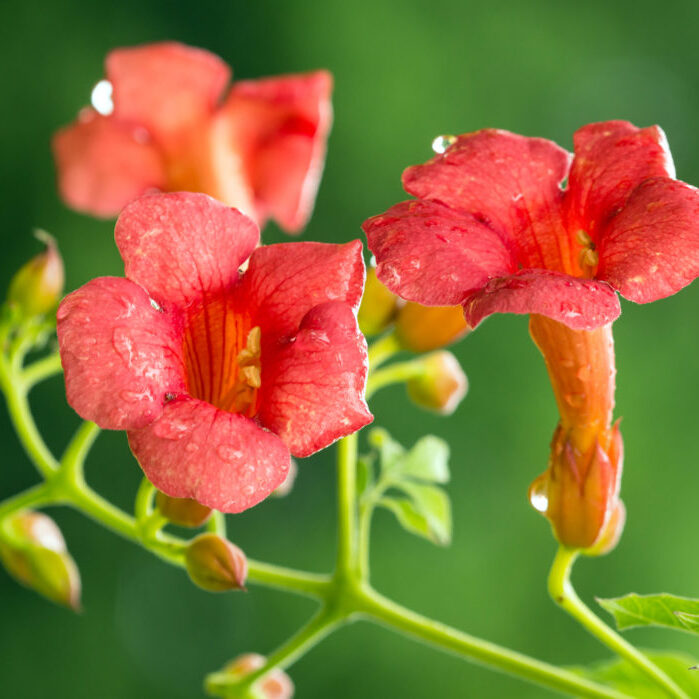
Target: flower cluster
161, 122
217, 375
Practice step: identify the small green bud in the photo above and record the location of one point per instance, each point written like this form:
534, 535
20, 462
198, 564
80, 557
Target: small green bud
182, 511
34, 552
441, 386
215, 564
37, 286
276, 684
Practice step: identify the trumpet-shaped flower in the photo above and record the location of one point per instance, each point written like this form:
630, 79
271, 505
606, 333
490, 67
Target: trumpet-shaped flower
161, 122
215, 374
504, 223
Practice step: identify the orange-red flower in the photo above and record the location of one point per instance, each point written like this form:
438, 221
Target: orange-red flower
217, 375
496, 228
162, 123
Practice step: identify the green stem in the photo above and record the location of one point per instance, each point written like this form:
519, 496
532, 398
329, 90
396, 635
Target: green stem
32, 497
346, 505
399, 372
42, 369
383, 349
73, 459
563, 593
398, 618
143, 506
217, 524
279, 577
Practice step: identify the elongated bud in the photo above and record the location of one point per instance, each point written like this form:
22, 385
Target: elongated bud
215, 564
426, 328
378, 306
182, 511
611, 533
441, 385
276, 684
287, 484
37, 286
34, 552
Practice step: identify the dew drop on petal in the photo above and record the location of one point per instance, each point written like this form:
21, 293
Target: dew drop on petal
248, 490
538, 496
155, 305
229, 453
170, 429
101, 98
441, 143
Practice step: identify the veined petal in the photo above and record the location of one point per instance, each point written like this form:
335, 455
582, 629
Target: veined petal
165, 86
509, 182
120, 355
221, 459
313, 384
581, 304
280, 126
650, 250
183, 246
611, 159
104, 163
433, 254
285, 281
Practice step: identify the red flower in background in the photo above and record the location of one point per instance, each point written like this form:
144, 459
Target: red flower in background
217, 374
165, 125
496, 229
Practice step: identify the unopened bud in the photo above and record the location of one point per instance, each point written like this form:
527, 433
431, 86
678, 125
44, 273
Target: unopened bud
378, 306
37, 286
287, 484
215, 564
441, 385
34, 552
611, 533
182, 511
426, 328
276, 684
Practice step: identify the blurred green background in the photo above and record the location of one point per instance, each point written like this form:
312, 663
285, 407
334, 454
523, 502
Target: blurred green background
404, 73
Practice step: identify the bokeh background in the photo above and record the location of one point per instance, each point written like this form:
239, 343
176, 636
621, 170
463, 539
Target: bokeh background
405, 72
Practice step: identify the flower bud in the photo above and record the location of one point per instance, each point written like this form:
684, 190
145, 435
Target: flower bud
182, 511
215, 564
378, 306
37, 286
276, 684
426, 328
288, 483
34, 552
442, 384
610, 534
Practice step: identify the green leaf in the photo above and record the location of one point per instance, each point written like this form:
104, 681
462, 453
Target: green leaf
654, 610
428, 460
409, 517
433, 503
627, 678
390, 452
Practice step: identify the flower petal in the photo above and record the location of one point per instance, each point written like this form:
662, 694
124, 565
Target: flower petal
223, 460
285, 281
313, 385
651, 249
611, 159
104, 163
435, 255
581, 304
281, 126
165, 86
120, 355
509, 182
183, 246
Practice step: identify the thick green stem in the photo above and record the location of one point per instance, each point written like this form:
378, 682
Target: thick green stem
399, 372
347, 506
388, 613
563, 593
42, 369
383, 349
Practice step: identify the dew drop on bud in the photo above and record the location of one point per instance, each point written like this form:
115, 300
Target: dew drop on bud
441, 143
538, 496
101, 98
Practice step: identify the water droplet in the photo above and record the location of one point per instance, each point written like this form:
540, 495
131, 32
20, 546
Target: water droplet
133, 396
575, 400
123, 344
101, 98
191, 447
155, 305
170, 429
441, 143
248, 490
538, 496
229, 453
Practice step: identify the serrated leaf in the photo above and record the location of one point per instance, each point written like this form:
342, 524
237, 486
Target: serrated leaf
653, 610
428, 460
365, 474
433, 503
408, 516
390, 451
628, 679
